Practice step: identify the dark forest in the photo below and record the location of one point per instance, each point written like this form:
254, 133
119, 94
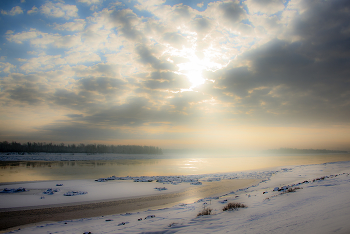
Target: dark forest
36, 147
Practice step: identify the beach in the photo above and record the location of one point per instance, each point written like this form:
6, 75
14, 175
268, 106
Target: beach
317, 202
12, 217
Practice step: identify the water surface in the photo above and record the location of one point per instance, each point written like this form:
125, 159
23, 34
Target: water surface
11, 171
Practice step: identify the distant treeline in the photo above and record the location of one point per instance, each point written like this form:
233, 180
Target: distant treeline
79, 148
303, 151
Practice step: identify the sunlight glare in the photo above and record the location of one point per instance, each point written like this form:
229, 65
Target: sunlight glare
194, 69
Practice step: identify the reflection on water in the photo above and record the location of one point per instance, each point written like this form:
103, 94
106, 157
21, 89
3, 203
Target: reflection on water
66, 170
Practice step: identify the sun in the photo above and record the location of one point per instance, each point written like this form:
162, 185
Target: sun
193, 71
194, 68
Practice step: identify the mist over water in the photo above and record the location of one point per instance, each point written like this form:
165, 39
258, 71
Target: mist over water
158, 166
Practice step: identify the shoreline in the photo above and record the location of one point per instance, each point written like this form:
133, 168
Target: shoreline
13, 218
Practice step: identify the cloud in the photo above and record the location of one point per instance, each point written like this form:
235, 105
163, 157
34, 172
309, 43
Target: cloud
24, 89
103, 85
264, 6
78, 132
76, 25
298, 85
73, 116
7, 67
27, 93
20, 37
58, 10
146, 57
127, 21
37, 38
14, 11
33, 10
89, 2
166, 81
175, 39
125, 72
232, 12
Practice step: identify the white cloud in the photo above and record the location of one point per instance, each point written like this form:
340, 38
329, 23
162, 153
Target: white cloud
89, 2
93, 8
59, 10
82, 57
42, 40
68, 41
200, 5
36, 38
77, 25
43, 62
23, 36
6, 67
23, 1
33, 10
14, 11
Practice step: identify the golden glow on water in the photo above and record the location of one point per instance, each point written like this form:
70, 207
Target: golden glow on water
67, 170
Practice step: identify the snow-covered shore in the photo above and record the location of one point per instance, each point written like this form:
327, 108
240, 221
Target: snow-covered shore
109, 188
319, 205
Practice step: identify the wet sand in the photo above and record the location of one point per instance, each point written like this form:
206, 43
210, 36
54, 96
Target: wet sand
10, 218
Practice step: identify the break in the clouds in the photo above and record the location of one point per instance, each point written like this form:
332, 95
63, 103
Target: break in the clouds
229, 74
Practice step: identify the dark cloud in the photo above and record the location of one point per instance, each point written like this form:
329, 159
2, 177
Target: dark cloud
182, 102
182, 11
27, 93
167, 81
71, 99
306, 80
18, 77
106, 69
126, 20
24, 89
201, 25
77, 132
175, 39
232, 11
135, 112
103, 85
147, 57
301, 76
74, 116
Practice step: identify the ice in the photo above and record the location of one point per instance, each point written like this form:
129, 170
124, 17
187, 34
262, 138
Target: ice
17, 190
161, 188
51, 191
74, 193
196, 183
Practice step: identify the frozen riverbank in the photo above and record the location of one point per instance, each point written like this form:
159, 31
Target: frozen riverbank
321, 205
59, 167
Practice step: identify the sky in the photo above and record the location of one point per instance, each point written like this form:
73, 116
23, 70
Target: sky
240, 74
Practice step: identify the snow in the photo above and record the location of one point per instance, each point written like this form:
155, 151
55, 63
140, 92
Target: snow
88, 191
298, 199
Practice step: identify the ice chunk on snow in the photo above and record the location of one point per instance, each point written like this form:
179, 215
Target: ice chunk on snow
6, 190
196, 183
161, 188
74, 193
